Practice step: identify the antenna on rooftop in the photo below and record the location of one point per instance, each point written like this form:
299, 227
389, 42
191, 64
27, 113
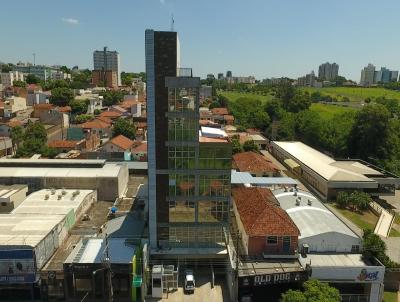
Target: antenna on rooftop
34, 59
172, 22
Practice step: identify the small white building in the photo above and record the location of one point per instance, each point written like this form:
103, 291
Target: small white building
12, 105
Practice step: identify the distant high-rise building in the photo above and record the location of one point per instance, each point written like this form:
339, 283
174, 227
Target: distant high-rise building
307, 80
188, 171
220, 76
368, 75
328, 71
8, 78
105, 60
385, 75
107, 78
210, 76
229, 74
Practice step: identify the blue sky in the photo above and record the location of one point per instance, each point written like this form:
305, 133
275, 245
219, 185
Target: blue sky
250, 37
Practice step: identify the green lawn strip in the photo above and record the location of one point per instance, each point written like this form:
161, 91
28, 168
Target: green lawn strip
389, 296
233, 96
329, 111
366, 220
356, 94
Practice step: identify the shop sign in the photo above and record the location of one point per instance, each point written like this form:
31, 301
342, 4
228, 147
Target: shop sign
368, 276
266, 279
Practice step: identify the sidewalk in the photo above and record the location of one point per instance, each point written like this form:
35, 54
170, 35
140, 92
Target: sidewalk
382, 228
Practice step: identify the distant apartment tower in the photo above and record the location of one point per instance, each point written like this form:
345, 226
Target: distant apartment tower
220, 76
229, 74
385, 75
368, 75
8, 78
106, 60
328, 71
307, 80
188, 173
107, 78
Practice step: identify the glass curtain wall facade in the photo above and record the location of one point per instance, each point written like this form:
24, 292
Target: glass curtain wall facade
198, 173
189, 181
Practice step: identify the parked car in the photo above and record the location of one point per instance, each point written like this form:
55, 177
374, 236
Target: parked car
189, 282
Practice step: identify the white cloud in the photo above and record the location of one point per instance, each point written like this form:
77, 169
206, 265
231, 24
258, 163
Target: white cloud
70, 21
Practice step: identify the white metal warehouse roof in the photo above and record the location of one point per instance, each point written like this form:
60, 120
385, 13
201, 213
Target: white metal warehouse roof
324, 165
314, 219
247, 178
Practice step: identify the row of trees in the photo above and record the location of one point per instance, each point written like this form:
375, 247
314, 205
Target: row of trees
374, 246
356, 201
313, 291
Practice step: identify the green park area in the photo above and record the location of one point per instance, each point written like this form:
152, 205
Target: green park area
356, 94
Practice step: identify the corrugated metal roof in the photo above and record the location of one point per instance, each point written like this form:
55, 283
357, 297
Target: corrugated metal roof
247, 178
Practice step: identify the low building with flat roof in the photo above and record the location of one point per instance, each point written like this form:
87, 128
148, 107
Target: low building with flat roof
254, 163
11, 197
32, 232
328, 176
110, 180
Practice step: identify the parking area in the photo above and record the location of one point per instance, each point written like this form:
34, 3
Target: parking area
203, 292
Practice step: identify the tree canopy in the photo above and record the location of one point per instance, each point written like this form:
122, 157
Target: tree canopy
124, 127
61, 96
314, 291
32, 79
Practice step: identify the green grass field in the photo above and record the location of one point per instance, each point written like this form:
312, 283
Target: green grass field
390, 297
365, 220
329, 111
233, 96
356, 94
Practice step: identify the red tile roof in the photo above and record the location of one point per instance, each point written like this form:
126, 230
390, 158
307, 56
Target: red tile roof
110, 114
140, 148
253, 162
96, 123
260, 214
122, 142
220, 111
14, 123
127, 104
43, 106
1, 104
207, 123
104, 119
64, 109
62, 144
228, 117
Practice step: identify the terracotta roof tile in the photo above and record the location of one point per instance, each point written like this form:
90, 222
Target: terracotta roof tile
43, 106
96, 123
14, 123
122, 141
220, 111
104, 119
253, 162
62, 144
260, 214
140, 148
228, 117
64, 109
110, 114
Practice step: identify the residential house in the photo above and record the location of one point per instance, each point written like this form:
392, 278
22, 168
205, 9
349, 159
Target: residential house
6, 146
119, 143
99, 127
5, 128
141, 131
139, 152
111, 114
266, 229
254, 163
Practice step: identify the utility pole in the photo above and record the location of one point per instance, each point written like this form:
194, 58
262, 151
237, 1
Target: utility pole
107, 263
34, 59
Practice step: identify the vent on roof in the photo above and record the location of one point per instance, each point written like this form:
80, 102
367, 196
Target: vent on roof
53, 191
297, 202
295, 193
46, 197
286, 189
59, 196
63, 192
309, 202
